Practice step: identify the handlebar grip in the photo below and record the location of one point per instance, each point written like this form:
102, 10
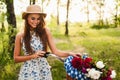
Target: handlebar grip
46, 54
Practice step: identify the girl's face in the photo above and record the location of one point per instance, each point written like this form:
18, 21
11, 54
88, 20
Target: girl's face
33, 20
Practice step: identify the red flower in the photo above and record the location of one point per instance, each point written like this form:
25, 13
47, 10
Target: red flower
106, 78
87, 62
86, 65
77, 62
109, 73
84, 70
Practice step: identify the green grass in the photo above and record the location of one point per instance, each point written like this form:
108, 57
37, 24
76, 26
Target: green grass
58, 71
103, 44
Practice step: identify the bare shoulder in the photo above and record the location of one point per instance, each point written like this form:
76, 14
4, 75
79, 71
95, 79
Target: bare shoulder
20, 35
47, 30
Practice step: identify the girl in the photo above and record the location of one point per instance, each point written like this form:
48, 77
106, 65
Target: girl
34, 41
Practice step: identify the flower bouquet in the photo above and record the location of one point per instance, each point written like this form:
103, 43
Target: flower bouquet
85, 68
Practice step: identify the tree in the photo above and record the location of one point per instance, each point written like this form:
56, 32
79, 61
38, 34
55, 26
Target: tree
58, 2
100, 10
11, 19
88, 2
32, 2
116, 16
66, 23
2, 15
88, 11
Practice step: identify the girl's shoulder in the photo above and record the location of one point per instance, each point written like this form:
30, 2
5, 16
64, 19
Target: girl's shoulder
20, 35
47, 30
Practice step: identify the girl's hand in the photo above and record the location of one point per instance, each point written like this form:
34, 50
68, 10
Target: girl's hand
38, 54
75, 54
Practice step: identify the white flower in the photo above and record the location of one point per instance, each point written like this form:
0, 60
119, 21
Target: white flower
100, 65
113, 74
88, 69
94, 74
87, 75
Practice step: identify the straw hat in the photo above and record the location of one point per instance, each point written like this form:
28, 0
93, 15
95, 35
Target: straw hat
33, 9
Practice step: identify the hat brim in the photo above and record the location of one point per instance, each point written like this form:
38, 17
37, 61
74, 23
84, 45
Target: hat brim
25, 13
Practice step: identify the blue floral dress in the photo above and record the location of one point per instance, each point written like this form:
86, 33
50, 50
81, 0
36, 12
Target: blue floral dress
35, 69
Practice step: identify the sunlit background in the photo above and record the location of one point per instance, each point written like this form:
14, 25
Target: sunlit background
77, 11
99, 37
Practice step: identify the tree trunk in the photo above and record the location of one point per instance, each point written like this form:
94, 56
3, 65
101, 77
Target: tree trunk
2, 19
32, 2
88, 12
101, 4
11, 19
66, 23
3, 27
116, 15
58, 12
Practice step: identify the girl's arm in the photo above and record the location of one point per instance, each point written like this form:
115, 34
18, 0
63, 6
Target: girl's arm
54, 49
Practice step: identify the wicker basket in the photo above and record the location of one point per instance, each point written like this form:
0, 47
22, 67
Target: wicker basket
69, 78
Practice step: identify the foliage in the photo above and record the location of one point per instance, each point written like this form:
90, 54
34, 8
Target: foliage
11, 35
6, 58
96, 26
102, 44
